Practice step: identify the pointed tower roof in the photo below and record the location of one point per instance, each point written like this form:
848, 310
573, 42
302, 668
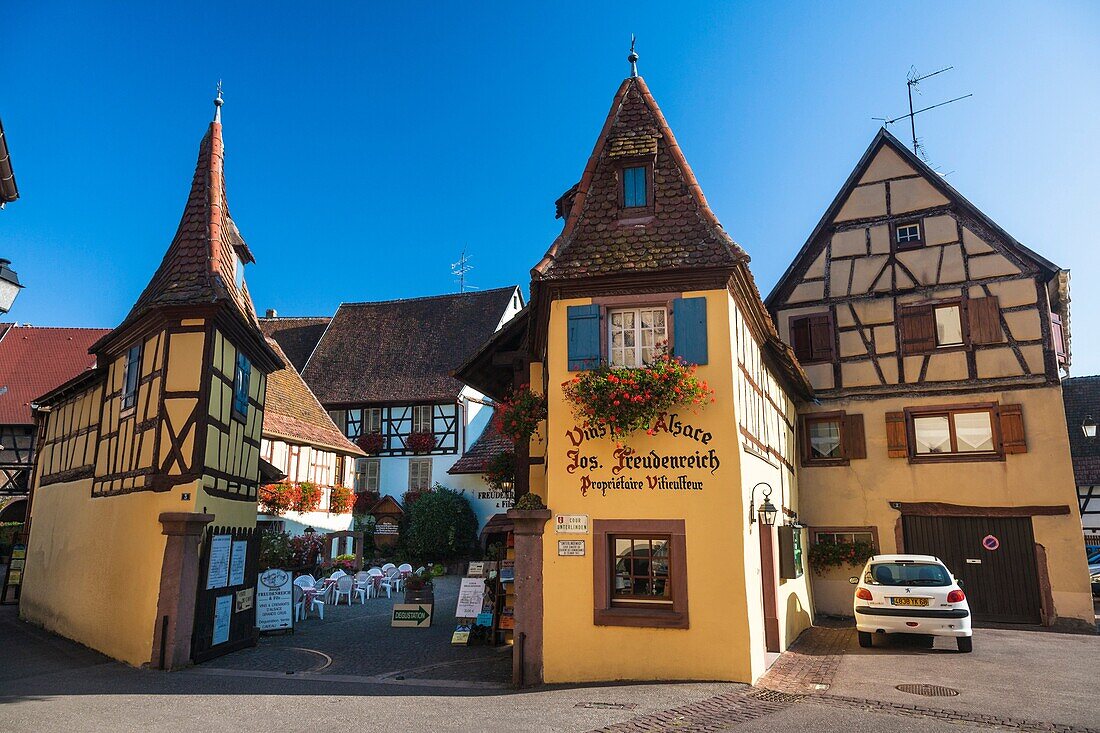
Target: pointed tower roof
200, 264
678, 232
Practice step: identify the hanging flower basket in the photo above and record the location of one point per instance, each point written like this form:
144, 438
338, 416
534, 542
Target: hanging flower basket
420, 442
832, 555
309, 497
371, 443
278, 498
519, 414
623, 400
339, 500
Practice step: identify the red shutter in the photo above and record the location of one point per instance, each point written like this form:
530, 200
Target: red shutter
1058, 336
800, 338
855, 442
985, 320
917, 329
1012, 429
821, 338
896, 440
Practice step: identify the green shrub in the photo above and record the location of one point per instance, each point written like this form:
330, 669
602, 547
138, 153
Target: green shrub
530, 501
441, 525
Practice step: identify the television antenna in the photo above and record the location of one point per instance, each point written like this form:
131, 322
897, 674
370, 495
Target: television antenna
459, 270
912, 81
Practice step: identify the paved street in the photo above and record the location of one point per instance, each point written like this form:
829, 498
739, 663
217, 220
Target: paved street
352, 670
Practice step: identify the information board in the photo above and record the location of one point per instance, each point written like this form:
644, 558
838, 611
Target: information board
274, 600
223, 611
411, 615
471, 593
571, 548
236, 562
476, 569
218, 573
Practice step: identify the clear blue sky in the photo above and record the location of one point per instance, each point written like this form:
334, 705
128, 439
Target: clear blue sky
368, 143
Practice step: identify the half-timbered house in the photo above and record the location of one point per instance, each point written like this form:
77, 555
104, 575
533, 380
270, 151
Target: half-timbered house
934, 341
162, 438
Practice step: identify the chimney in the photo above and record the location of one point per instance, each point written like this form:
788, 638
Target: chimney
271, 313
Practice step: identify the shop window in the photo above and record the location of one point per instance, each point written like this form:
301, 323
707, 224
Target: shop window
640, 573
635, 334
812, 338
241, 377
131, 376
956, 433
908, 235
420, 474
832, 439
422, 419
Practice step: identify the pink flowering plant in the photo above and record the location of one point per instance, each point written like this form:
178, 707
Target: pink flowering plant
518, 415
624, 400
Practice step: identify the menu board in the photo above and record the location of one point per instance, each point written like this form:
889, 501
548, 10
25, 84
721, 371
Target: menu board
218, 572
223, 610
274, 600
236, 563
470, 595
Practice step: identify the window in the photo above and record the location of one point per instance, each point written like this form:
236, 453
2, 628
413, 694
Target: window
420, 474
130, 377
238, 272
320, 470
842, 536
422, 419
635, 187
367, 473
635, 334
832, 438
640, 573
812, 338
293, 462
949, 330
908, 235
353, 428
373, 419
1058, 337
954, 432
240, 386
925, 574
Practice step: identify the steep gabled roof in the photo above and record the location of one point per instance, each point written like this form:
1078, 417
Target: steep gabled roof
402, 350
292, 412
297, 337
1082, 399
682, 231
882, 139
34, 361
488, 445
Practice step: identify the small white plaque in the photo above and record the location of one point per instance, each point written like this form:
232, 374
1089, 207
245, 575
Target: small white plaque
571, 548
571, 524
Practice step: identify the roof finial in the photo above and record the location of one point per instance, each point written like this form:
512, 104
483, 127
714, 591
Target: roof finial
218, 102
633, 57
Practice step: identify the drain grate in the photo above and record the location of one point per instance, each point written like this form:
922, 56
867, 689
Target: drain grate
928, 690
775, 696
606, 705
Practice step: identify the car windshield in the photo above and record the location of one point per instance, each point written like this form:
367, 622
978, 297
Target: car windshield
907, 573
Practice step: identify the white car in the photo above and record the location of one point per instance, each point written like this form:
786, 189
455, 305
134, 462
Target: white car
910, 594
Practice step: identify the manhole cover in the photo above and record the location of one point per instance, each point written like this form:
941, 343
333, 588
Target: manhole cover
928, 690
606, 705
774, 696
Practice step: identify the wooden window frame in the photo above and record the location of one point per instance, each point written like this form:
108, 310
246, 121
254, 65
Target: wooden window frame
666, 616
807, 455
629, 212
368, 418
605, 337
628, 302
413, 461
964, 323
872, 530
949, 411
128, 397
810, 317
415, 419
912, 243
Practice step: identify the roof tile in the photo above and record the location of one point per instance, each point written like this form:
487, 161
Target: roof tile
34, 360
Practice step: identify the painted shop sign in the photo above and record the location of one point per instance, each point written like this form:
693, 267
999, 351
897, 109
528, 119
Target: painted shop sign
571, 524
502, 499
274, 600
665, 468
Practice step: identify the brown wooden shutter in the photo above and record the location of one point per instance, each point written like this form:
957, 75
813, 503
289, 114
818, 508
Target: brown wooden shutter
985, 320
1058, 335
855, 441
821, 338
1012, 429
896, 441
800, 338
917, 329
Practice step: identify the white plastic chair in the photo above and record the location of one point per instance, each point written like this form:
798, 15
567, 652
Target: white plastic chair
345, 586
388, 567
375, 579
300, 603
363, 585
420, 570
392, 582
305, 581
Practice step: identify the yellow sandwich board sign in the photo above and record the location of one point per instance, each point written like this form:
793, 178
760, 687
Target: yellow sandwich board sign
411, 615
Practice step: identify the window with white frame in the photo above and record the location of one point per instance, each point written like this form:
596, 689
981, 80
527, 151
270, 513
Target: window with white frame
635, 334
372, 420
422, 419
320, 469
420, 474
367, 473
849, 537
907, 233
353, 427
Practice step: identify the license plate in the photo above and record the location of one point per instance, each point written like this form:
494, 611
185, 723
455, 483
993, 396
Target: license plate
909, 601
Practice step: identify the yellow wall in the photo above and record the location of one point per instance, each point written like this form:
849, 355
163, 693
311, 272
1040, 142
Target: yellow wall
725, 638
858, 495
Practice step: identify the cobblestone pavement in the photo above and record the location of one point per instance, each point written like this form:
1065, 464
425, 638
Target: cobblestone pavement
809, 665
357, 641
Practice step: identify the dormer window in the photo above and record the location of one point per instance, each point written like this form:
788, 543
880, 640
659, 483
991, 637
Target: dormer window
635, 187
908, 235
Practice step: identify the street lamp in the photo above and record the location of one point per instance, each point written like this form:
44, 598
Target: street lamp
768, 510
1088, 427
9, 286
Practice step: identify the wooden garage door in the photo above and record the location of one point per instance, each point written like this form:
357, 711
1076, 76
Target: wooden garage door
1002, 584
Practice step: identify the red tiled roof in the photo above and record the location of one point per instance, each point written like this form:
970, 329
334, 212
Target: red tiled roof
34, 360
681, 231
292, 413
297, 337
199, 264
488, 445
402, 350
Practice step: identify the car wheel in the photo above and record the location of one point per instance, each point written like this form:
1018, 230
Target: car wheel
864, 639
966, 644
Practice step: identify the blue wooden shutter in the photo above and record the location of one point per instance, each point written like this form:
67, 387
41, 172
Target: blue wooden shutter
689, 324
584, 337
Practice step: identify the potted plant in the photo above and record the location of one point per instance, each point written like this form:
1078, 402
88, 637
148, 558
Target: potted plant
309, 497
518, 415
371, 443
339, 500
420, 441
419, 589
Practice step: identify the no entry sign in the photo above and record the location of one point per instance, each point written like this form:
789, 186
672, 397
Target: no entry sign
990, 542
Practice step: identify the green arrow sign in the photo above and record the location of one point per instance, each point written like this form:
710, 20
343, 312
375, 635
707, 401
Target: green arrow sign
411, 615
